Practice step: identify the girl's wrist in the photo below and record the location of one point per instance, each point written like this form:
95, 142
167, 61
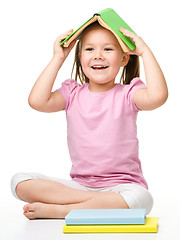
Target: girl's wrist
145, 51
57, 58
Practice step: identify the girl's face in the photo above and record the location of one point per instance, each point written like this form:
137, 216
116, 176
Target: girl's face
101, 57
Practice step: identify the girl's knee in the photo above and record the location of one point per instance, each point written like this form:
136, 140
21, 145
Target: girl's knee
20, 188
18, 178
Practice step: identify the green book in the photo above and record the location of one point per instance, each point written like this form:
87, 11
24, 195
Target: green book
110, 20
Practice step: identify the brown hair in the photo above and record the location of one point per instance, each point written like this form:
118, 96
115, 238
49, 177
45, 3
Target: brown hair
130, 71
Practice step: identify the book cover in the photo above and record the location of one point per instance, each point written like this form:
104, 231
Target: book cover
151, 226
110, 20
105, 216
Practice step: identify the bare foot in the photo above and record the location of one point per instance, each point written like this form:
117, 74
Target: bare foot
42, 210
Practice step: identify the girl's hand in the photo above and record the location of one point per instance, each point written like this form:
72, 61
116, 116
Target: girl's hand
62, 52
141, 46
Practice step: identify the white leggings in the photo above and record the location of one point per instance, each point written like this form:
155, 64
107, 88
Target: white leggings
135, 195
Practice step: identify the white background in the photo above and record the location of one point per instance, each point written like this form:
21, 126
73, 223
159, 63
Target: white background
34, 141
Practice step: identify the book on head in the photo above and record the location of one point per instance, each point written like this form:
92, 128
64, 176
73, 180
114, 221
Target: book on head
110, 20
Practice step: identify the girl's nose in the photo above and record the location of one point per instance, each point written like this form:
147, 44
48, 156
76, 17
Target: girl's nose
98, 55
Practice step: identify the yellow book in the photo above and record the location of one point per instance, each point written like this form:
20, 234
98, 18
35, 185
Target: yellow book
150, 226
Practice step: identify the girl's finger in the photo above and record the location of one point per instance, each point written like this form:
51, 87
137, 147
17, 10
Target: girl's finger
127, 33
64, 35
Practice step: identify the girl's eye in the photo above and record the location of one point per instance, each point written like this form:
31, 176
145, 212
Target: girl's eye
108, 49
89, 49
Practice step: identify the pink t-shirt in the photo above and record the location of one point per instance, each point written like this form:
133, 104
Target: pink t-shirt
102, 134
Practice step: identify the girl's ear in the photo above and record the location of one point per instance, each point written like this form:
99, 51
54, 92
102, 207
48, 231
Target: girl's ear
125, 60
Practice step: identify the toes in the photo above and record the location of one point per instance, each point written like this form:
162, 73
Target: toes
26, 208
29, 211
29, 215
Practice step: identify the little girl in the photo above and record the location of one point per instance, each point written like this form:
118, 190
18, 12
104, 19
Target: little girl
101, 123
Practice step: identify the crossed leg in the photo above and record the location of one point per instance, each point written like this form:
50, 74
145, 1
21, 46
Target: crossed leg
51, 199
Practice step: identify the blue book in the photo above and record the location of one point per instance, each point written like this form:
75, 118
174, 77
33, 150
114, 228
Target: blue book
105, 216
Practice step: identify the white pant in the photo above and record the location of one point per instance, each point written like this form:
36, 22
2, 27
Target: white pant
135, 195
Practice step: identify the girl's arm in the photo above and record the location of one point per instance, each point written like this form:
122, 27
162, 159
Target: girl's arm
41, 98
156, 92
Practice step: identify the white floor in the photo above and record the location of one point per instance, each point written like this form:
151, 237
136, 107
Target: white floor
14, 226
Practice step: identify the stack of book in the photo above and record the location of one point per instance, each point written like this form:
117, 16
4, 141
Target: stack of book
109, 221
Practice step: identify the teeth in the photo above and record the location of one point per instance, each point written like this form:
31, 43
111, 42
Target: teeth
99, 67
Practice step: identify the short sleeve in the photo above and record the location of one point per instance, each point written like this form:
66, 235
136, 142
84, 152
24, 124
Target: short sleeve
134, 85
67, 89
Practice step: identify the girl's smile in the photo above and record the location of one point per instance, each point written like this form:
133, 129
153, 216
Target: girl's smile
99, 67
